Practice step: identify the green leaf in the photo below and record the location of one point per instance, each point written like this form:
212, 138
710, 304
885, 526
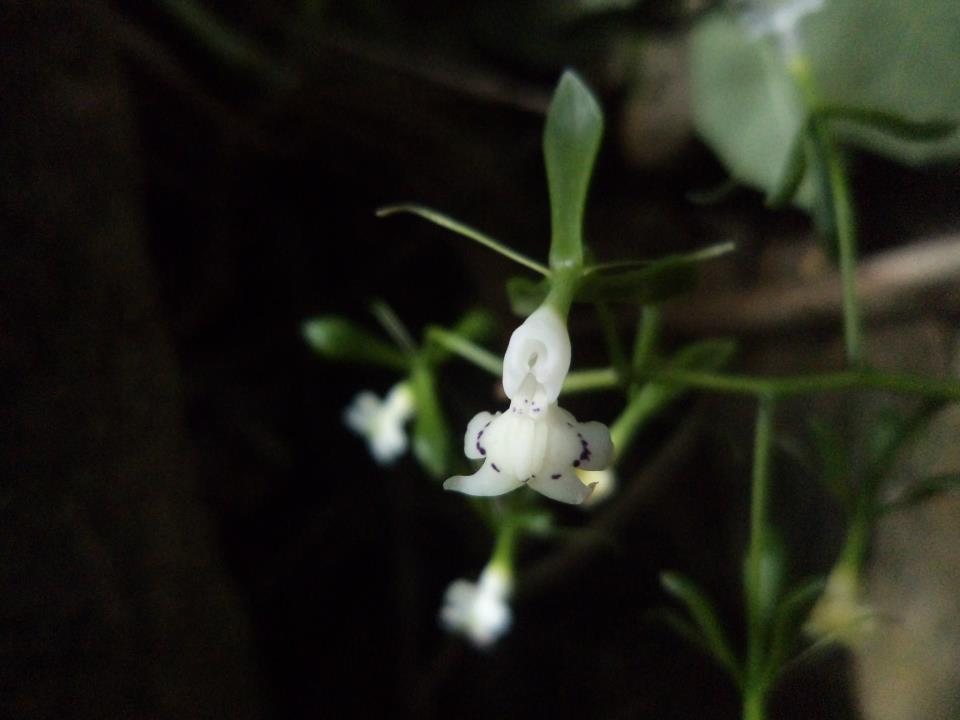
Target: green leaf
890, 123
885, 72
448, 223
783, 193
460, 340
652, 282
745, 106
337, 338
431, 432
834, 469
571, 139
526, 295
922, 491
705, 619
788, 620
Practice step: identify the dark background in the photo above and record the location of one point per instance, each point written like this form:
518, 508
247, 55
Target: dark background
188, 530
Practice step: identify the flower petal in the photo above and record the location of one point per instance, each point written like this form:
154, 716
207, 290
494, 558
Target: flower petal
473, 445
563, 486
598, 444
487, 481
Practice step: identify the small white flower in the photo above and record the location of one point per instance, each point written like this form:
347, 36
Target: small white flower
779, 19
381, 421
536, 442
541, 347
480, 610
840, 614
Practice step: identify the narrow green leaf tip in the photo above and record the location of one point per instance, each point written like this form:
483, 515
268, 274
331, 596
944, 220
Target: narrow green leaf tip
571, 140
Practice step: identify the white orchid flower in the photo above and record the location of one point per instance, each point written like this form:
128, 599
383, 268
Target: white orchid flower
536, 442
382, 422
481, 610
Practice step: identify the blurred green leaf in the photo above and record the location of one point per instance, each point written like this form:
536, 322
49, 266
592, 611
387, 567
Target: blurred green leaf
789, 619
461, 339
746, 107
646, 282
833, 463
783, 193
704, 616
571, 139
431, 431
337, 338
922, 491
526, 295
883, 69
889, 123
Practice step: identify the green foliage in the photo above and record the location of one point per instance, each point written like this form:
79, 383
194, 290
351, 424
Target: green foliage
885, 81
706, 631
431, 432
571, 139
339, 339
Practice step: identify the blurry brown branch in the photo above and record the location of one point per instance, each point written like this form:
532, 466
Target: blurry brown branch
888, 282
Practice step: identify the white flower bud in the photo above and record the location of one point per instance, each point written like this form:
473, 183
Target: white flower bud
382, 422
480, 611
540, 348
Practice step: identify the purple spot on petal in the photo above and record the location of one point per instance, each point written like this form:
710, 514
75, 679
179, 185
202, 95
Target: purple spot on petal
576, 463
494, 466
555, 476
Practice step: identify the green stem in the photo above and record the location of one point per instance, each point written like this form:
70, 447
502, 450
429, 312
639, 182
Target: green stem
754, 706
467, 349
563, 286
504, 548
753, 580
612, 338
843, 381
646, 342
580, 381
841, 203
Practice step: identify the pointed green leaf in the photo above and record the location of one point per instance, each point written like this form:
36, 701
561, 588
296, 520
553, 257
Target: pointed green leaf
460, 340
704, 617
431, 432
787, 622
571, 140
646, 282
890, 123
526, 295
920, 492
447, 222
337, 338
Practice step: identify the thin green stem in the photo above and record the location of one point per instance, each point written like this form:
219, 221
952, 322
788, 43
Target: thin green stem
580, 381
614, 346
394, 326
755, 687
841, 203
466, 231
467, 349
505, 546
563, 287
648, 333
843, 381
